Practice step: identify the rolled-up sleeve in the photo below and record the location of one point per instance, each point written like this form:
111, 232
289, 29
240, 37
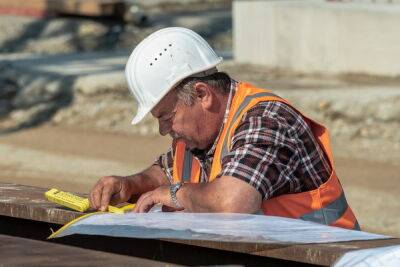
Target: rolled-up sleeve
267, 152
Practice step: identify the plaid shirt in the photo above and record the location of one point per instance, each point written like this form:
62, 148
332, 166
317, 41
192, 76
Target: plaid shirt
273, 149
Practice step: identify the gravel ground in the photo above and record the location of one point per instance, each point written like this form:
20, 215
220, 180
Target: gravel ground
89, 91
78, 34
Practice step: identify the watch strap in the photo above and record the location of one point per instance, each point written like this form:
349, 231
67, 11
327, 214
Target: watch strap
173, 189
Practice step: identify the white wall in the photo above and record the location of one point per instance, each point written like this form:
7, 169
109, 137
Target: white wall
319, 36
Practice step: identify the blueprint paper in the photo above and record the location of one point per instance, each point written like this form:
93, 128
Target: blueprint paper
374, 257
212, 226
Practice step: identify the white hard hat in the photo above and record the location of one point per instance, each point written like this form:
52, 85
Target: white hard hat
164, 59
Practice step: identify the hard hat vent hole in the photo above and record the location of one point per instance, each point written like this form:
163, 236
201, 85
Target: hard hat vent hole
165, 49
155, 59
170, 45
160, 54
151, 64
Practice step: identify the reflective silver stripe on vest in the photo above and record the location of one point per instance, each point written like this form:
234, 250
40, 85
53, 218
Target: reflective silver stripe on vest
187, 166
246, 101
329, 214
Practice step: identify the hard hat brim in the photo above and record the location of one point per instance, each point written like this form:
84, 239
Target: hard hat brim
142, 112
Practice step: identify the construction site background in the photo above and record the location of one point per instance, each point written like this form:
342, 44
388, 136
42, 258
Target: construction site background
65, 110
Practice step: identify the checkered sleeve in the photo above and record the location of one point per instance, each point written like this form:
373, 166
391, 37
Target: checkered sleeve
274, 151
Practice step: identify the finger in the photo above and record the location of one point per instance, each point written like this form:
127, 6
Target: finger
91, 205
138, 203
96, 197
146, 204
105, 198
141, 200
91, 195
120, 193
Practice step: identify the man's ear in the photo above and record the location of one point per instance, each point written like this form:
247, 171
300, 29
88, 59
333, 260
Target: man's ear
204, 94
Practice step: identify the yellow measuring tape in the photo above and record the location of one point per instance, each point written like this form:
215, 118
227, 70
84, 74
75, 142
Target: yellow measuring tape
80, 204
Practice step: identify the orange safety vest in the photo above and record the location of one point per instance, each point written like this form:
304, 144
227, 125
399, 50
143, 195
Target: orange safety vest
326, 204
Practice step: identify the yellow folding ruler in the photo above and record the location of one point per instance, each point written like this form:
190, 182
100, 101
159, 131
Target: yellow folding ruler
79, 203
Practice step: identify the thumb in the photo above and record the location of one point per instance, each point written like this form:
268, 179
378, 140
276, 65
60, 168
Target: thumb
116, 197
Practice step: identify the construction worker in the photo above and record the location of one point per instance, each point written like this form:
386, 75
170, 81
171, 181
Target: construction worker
236, 148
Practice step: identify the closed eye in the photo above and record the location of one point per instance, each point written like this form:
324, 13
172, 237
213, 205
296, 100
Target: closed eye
167, 117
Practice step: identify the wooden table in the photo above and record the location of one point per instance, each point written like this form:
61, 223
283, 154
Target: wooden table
25, 202
17, 251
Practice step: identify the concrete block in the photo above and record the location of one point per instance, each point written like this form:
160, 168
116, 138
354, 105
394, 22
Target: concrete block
317, 36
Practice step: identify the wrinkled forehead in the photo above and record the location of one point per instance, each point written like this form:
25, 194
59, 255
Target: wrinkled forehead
166, 104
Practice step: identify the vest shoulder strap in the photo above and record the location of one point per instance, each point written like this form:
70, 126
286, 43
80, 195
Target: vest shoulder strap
186, 167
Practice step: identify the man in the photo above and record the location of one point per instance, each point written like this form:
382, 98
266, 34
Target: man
236, 148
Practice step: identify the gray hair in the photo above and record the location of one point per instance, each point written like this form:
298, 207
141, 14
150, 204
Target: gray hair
219, 81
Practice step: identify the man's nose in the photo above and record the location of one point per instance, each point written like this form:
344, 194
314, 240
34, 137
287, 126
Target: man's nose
163, 128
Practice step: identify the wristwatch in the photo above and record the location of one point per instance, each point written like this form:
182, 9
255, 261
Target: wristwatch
172, 191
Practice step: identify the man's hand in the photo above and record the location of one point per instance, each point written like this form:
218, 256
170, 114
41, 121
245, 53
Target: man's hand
110, 189
160, 195
118, 189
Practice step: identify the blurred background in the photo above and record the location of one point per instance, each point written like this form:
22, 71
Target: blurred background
65, 110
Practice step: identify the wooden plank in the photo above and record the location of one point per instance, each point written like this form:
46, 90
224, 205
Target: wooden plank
27, 202
17, 251
320, 254
75, 7
154, 249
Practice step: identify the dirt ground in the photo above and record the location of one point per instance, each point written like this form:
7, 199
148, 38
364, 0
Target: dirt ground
73, 159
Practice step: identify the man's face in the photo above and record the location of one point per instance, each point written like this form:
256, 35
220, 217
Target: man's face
182, 122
